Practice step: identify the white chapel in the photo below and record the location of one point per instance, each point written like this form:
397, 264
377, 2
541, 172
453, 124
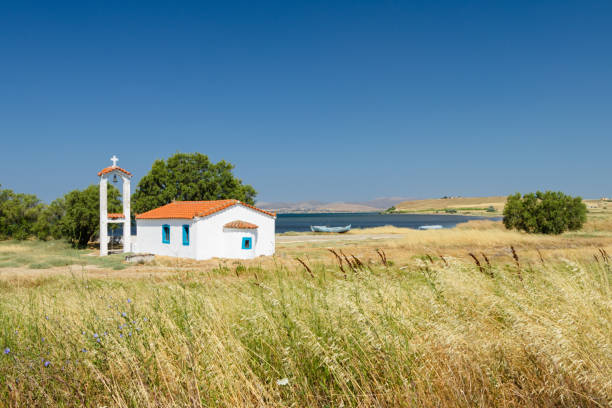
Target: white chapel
189, 229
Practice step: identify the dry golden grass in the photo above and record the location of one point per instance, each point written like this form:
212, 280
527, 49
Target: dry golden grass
596, 224
429, 329
387, 229
481, 225
497, 202
474, 236
431, 333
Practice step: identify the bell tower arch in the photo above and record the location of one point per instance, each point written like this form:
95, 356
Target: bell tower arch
114, 172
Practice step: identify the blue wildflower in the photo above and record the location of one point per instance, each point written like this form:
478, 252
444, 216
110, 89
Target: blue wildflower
120, 334
124, 314
83, 332
129, 300
84, 350
47, 363
130, 333
47, 317
96, 335
43, 339
145, 319
106, 333
7, 350
98, 340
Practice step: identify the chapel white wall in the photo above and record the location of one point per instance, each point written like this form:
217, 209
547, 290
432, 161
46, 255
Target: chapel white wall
149, 238
208, 238
215, 241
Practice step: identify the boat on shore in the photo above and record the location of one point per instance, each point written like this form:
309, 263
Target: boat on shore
430, 227
322, 228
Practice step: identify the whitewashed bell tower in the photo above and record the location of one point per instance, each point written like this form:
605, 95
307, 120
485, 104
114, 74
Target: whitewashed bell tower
114, 171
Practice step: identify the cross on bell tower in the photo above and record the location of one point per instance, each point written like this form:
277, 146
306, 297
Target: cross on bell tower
105, 217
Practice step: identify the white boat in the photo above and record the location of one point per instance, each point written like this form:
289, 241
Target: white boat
324, 228
430, 227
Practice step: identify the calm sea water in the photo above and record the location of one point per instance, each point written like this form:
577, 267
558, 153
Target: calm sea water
302, 222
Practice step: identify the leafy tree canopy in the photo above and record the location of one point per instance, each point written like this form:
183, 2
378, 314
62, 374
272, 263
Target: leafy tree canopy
81, 220
189, 177
75, 217
544, 212
18, 214
49, 222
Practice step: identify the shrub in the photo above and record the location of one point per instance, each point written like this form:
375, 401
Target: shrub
547, 213
491, 209
450, 210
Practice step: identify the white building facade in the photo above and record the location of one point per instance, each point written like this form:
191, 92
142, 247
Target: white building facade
206, 229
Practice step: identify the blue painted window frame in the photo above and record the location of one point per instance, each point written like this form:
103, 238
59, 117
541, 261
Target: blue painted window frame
186, 234
245, 240
165, 228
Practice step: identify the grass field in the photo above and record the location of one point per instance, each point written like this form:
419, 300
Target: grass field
45, 255
462, 205
484, 206
428, 327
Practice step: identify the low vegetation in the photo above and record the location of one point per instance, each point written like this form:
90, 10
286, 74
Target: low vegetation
545, 212
37, 255
473, 316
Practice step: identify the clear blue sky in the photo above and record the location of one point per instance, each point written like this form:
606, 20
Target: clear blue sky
312, 100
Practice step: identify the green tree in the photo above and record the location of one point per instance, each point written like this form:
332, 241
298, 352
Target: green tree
18, 214
49, 222
189, 177
547, 212
80, 214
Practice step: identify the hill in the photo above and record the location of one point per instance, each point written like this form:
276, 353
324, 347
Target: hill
463, 205
375, 205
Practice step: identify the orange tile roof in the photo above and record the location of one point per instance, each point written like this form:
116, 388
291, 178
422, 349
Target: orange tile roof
240, 225
108, 169
191, 209
115, 215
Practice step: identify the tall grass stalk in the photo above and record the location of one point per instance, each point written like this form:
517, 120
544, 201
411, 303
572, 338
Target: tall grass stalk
393, 337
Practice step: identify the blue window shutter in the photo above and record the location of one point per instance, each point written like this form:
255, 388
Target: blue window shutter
247, 243
185, 234
165, 234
